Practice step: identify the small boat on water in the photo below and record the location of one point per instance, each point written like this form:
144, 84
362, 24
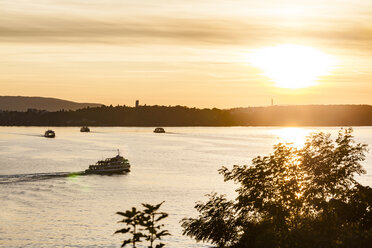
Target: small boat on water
84, 129
159, 130
49, 134
114, 165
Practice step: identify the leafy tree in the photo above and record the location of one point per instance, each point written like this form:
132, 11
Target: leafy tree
216, 222
150, 220
296, 197
132, 218
143, 224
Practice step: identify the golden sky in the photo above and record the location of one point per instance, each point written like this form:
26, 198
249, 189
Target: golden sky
180, 52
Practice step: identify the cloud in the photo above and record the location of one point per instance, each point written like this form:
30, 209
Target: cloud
145, 30
211, 30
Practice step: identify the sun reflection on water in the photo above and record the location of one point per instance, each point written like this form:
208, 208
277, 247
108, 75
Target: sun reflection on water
295, 135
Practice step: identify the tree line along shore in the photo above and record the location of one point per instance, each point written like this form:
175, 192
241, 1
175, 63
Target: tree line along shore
305, 115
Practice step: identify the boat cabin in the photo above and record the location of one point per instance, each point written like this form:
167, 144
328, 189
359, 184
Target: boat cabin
159, 130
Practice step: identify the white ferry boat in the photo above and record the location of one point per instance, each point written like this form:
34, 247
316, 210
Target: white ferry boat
114, 165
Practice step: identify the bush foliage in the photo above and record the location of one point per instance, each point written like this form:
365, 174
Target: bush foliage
143, 225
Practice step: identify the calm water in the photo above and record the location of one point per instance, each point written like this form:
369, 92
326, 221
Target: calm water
179, 167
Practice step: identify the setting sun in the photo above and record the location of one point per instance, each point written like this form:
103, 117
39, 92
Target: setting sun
292, 66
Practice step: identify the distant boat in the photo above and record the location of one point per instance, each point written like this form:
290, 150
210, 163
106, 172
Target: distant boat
159, 130
49, 134
84, 129
114, 165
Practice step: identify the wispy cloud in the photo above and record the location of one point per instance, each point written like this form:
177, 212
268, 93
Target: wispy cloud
146, 30
181, 31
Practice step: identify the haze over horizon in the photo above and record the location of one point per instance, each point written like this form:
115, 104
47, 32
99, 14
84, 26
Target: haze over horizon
190, 53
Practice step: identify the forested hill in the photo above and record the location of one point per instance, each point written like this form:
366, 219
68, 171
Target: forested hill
22, 103
309, 115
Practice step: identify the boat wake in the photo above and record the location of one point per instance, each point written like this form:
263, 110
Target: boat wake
16, 178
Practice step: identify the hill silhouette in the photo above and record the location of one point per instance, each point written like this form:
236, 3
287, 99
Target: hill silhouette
307, 115
23, 103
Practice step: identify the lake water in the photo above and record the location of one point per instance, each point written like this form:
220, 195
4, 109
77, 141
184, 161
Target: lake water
178, 167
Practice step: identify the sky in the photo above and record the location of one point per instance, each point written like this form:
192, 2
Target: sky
194, 53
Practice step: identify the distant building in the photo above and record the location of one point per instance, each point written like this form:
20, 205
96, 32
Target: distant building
137, 103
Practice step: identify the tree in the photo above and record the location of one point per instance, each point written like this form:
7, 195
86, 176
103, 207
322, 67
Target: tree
297, 197
143, 224
150, 221
216, 222
132, 218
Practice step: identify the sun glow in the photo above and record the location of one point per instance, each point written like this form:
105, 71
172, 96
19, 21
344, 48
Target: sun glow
295, 135
292, 66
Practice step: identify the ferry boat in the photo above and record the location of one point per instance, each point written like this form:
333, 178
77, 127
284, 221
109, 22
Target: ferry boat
84, 129
159, 130
114, 165
49, 134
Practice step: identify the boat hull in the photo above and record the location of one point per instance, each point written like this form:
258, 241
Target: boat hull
107, 172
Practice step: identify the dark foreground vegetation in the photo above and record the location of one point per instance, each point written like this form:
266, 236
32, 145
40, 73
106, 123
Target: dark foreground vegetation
293, 198
311, 115
143, 225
